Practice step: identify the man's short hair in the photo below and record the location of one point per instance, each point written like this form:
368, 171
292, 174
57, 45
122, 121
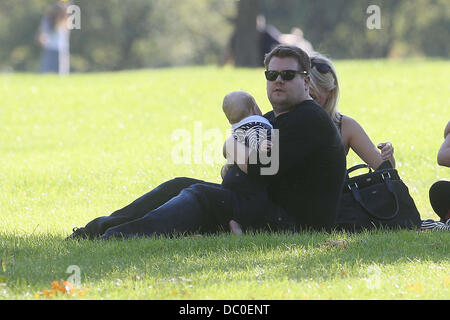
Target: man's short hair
283, 51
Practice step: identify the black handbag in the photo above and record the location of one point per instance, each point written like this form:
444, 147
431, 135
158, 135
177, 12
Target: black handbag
376, 200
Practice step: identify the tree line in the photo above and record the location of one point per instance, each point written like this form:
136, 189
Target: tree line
131, 34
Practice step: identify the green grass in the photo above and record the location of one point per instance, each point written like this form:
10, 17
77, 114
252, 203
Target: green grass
78, 147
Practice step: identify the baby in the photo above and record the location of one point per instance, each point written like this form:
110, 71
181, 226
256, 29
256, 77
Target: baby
249, 127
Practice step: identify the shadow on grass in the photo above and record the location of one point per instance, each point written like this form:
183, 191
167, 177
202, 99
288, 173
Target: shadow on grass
37, 260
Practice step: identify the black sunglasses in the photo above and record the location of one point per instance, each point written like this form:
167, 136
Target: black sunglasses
321, 67
286, 75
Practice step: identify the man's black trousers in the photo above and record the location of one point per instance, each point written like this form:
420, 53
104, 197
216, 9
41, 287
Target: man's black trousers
180, 205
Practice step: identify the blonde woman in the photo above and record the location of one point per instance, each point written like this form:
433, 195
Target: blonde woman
324, 88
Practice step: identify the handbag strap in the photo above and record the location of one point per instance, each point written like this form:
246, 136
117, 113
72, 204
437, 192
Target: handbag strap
390, 187
357, 167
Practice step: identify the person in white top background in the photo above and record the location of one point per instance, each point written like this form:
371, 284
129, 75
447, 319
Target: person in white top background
54, 37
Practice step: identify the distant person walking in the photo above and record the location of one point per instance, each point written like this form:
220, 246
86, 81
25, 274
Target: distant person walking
267, 39
296, 38
54, 38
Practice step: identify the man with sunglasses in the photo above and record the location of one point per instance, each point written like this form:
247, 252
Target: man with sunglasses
311, 154
305, 189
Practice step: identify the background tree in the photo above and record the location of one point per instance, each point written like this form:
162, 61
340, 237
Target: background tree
245, 42
128, 34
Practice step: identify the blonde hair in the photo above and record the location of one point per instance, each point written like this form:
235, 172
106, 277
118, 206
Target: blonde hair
237, 105
326, 82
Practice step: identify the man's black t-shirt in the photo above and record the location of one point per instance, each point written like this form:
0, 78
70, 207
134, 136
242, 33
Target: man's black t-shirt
311, 169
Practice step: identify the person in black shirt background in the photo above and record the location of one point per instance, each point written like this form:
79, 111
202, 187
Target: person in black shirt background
305, 176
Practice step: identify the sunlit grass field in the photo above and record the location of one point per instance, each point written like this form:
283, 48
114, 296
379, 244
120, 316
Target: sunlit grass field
78, 147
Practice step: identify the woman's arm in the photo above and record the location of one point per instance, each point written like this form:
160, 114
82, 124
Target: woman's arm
356, 138
443, 157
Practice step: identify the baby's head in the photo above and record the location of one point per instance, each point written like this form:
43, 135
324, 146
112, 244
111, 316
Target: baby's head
238, 105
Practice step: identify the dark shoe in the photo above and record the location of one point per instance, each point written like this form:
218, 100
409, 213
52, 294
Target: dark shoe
430, 224
114, 235
79, 233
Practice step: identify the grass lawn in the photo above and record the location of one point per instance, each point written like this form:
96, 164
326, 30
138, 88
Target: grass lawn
78, 147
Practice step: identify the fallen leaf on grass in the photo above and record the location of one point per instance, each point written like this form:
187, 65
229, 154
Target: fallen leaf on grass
447, 282
415, 288
60, 288
334, 243
136, 278
182, 292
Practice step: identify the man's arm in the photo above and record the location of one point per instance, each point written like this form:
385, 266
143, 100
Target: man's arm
291, 145
443, 157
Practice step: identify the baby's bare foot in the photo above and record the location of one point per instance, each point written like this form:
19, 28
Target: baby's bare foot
235, 227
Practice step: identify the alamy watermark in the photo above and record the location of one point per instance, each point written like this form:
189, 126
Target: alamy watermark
374, 279
206, 147
374, 20
75, 275
73, 17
